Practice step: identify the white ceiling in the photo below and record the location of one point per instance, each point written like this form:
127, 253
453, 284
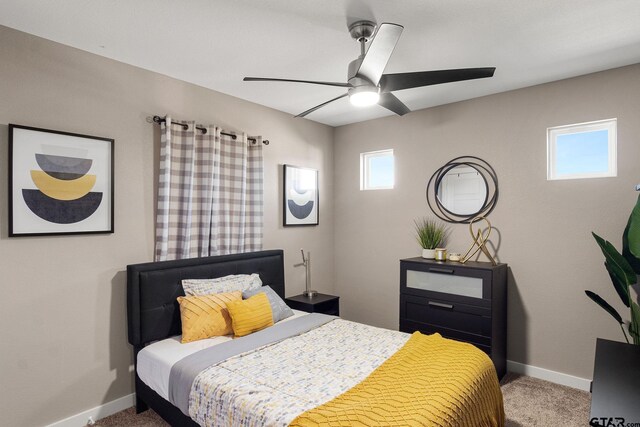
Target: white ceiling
214, 43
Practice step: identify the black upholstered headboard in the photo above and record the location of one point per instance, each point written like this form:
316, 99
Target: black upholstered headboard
153, 288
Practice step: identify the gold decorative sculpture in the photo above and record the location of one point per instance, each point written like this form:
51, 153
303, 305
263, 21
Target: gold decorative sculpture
479, 241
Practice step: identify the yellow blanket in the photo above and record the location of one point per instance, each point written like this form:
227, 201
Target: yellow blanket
430, 381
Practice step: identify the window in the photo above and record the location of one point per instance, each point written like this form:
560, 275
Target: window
584, 150
376, 170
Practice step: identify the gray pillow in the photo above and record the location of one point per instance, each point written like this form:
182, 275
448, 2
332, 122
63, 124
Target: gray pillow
279, 308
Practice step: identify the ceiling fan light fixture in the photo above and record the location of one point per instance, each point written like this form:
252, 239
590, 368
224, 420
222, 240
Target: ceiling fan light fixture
365, 74
364, 96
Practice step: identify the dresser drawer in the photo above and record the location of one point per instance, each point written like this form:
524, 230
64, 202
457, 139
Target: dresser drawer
447, 281
469, 319
480, 341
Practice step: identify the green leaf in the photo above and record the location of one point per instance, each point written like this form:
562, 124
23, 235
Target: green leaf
634, 326
430, 233
621, 287
618, 264
631, 238
605, 305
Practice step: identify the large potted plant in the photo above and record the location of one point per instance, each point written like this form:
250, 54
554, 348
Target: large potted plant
624, 270
430, 234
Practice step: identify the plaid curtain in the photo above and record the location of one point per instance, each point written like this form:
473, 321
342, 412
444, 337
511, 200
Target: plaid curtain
210, 193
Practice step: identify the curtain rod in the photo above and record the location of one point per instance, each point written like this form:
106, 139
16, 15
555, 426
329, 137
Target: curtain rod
158, 120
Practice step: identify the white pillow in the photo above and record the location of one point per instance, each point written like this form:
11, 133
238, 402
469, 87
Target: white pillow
219, 285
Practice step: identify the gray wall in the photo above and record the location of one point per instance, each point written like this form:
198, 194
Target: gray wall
64, 344
542, 227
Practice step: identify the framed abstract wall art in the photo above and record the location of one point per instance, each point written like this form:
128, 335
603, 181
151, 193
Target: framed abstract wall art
300, 195
59, 183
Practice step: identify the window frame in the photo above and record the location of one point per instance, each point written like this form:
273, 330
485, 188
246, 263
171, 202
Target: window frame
553, 132
365, 172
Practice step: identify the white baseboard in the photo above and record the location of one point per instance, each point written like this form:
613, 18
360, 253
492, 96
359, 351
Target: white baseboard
547, 375
109, 408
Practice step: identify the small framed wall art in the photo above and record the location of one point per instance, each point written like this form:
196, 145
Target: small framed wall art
300, 195
59, 183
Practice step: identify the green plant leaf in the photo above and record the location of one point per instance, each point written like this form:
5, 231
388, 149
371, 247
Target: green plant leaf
430, 233
617, 263
605, 305
631, 238
634, 326
621, 287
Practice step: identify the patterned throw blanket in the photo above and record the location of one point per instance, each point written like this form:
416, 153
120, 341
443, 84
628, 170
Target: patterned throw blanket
430, 381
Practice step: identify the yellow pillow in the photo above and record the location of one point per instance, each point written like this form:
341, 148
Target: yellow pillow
250, 315
206, 316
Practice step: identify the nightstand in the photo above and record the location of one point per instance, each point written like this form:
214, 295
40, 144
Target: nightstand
320, 303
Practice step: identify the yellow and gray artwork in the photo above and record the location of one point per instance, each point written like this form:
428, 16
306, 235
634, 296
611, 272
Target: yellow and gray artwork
63, 194
300, 196
60, 183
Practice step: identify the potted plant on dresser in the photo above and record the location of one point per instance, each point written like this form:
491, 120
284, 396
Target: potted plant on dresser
624, 270
430, 234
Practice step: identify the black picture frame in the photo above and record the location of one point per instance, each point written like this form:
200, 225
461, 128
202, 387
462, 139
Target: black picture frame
60, 183
300, 208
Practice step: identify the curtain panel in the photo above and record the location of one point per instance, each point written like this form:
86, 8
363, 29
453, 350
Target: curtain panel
210, 193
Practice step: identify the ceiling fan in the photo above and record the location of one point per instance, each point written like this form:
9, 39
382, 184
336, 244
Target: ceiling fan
366, 83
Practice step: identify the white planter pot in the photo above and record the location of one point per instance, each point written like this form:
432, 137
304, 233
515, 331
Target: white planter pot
429, 253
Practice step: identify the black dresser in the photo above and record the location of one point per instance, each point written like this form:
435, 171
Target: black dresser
465, 302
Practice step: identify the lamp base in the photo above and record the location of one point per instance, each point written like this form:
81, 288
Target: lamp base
310, 293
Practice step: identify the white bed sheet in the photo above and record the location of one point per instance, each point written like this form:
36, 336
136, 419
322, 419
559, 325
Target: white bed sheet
156, 360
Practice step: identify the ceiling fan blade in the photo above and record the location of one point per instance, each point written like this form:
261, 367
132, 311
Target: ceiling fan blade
391, 82
311, 110
379, 52
391, 103
267, 79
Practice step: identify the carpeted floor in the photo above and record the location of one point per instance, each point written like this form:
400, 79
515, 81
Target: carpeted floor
527, 402
532, 402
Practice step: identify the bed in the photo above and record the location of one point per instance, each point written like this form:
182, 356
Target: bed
336, 365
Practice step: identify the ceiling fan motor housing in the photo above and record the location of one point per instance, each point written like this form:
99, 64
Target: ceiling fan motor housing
362, 30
